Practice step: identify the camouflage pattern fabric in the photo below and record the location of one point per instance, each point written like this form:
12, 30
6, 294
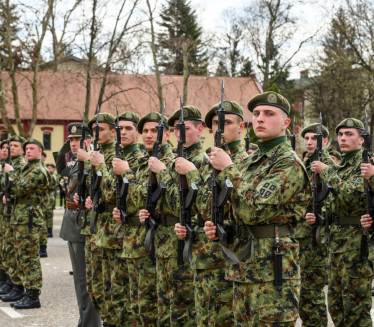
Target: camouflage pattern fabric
349, 294
51, 201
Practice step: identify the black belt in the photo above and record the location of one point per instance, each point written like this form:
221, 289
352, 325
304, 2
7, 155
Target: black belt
348, 220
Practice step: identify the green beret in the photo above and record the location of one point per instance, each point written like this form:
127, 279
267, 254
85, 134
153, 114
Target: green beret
16, 138
231, 107
189, 113
130, 116
75, 130
336, 154
313, 128
31, 140
104, 117
151, 117
350, 123
3, 142
269, 99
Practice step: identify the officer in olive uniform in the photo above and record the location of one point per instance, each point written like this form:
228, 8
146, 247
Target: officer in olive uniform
70, 231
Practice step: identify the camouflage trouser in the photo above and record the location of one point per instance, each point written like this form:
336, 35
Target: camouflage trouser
213, 298
143, 292
261, 304
349, 294
10, 258
313, 267
44, 234
49, 218
26, 244
175, 293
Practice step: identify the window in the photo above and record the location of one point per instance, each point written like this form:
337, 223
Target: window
47, 141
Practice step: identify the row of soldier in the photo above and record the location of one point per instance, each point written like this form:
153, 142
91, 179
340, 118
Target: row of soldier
132, 271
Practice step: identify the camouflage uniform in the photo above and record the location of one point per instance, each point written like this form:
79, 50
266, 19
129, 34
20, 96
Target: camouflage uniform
349, 294
51, 202
44, 206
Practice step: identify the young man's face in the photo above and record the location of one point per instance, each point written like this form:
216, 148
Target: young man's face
310, 142
106, 135
149, 135
233, 127
269, 122
33, 152
349, 140
51, 169
4, 151
129, 133
15, 149
193, 132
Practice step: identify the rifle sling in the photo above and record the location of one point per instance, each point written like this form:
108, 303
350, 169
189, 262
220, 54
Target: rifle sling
71, 190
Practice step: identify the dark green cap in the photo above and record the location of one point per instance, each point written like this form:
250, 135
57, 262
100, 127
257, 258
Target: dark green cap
104, 117
350, 123
189, 113
3, 142
313, 128
130, 116
151, 117
16, 138
231, 107
269, 99
31, 140
75, 130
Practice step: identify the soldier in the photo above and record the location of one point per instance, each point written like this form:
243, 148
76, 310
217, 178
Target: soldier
208, 262
70, 232
140, 265
350, 273
52, 199
269, 198
27, 220
313, 255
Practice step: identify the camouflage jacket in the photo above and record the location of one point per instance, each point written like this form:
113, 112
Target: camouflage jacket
270, 188
208, 254
346, 199
30, 187
137, 194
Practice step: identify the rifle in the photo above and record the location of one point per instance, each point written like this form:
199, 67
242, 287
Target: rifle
320, 192
122, 185
186, 197
95, 180
293, 136
8, 187
154, 192
369, 195
246, 138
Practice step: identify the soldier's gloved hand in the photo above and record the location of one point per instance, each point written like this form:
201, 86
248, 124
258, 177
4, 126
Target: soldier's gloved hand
66, 147
8, 168
367, 170
366, 221
143, 215
183, 166
155, 165
119, 166
219, 158
83, 155
88, 203
180, 231
210, 230
310, 218
116, 214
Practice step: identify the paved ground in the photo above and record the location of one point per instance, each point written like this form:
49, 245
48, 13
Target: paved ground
59, 306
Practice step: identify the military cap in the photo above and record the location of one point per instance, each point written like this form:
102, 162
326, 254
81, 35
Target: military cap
151, 117
3, 142
189, 113
350, 123
32, 140
269, 99
253, 146
104, 117
16, 138
130, 116
231, 107
75, 130
336, 154
313, 128
51, 165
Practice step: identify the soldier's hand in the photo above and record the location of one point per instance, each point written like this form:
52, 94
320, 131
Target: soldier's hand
88, 203
366, 221
183, 166
143, 215
210, 230
4, 199
155, 165
219, 158
317, 167
83, 155
76, 198
119, 166
97, 158
180, 231
310, 218
116, 214
8, 168
367, 170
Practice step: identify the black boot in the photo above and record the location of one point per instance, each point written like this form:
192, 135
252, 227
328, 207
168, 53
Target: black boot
14, 295
6, 287
3, 278
29, 301
50, 234
43, 251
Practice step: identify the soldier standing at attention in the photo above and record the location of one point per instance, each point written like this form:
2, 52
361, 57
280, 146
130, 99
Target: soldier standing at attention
70, 232
350, 271
27, 221
269, 199
52, 198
